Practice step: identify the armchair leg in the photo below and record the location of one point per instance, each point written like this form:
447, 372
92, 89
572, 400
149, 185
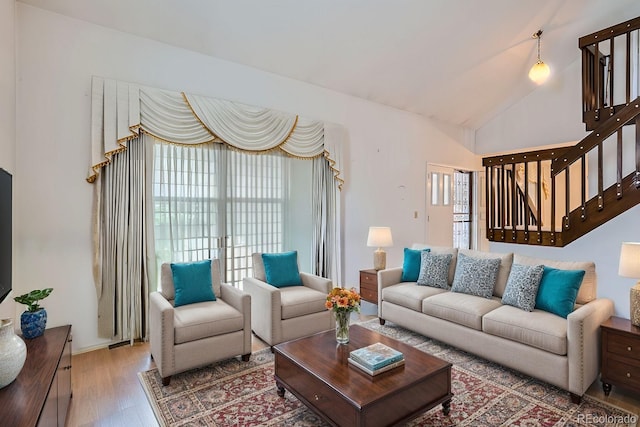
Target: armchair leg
166, 380
245, 357
575, 398
382, 321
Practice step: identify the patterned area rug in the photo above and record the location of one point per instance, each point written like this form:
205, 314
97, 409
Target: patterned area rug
236, 393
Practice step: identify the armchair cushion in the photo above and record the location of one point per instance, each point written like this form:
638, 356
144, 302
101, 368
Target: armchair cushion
192, 282
281, 270
300, 300
204, 320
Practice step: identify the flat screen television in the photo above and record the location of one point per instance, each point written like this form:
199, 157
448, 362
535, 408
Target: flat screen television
5, 233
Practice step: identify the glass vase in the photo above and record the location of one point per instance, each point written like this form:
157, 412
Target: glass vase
342, 326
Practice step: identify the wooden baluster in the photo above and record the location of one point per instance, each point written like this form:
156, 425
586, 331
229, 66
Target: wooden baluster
567, 185
583, 188
585, 82
596, 78
611, 72
539, 188
636, 179
600, 177
514, 232
525, 205
628, 69
619, 165
553, 210
503, 201
489, 208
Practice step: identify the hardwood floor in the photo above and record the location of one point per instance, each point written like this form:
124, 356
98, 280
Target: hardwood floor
107, 392
106, 389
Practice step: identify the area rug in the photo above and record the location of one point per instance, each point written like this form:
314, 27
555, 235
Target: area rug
236, 393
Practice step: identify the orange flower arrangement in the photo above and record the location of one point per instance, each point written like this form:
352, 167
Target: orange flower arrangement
343, 300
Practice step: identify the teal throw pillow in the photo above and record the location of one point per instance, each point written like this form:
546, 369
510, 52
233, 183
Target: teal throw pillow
558, 290
281, 269
192, 282
411, 264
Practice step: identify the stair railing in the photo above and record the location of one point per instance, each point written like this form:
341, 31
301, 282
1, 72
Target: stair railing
515, 211
609, 58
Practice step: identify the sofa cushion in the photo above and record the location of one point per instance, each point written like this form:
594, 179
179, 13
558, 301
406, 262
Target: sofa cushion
558, 290
411, 262
463, 309
205, 319
538, 328
409, 294
522, 286
300, 300
475, 276
588, 288
442, 250
506, 259
434, 270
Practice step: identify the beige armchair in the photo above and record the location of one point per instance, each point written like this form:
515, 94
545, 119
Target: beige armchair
284, 314
197, 334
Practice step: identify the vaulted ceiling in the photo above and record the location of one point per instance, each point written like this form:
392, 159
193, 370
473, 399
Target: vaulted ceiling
456, 61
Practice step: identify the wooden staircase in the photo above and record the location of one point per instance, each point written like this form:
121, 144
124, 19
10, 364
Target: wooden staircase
567, 192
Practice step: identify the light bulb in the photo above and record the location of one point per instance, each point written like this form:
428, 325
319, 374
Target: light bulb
539, 73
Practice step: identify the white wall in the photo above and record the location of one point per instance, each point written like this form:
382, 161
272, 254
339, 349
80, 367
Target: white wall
385, 158
8, 113
553, 114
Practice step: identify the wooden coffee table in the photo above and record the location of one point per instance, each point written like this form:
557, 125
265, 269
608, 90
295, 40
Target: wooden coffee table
316, 371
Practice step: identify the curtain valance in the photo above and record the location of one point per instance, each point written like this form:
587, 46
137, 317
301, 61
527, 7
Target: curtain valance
120, 111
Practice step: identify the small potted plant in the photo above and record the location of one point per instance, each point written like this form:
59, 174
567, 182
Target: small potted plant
33, 320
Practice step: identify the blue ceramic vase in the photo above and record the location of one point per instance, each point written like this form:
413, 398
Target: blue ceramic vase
33, 324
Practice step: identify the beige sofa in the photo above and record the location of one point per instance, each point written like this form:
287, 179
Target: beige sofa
562, 352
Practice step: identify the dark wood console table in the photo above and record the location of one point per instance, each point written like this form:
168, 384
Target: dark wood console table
40, 394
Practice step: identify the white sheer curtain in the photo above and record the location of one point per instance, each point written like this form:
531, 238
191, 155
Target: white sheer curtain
210, 201
124, 250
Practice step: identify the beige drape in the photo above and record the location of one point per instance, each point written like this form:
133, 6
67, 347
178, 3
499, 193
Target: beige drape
122, 113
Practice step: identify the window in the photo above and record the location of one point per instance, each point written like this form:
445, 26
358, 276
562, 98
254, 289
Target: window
213, 202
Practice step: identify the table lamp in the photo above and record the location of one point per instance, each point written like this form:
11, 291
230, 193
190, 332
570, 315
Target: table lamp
379, 237
630, 267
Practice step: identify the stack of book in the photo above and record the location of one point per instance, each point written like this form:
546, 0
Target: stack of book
376, 358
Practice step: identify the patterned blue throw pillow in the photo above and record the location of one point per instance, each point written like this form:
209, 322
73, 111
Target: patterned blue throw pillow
475, 276
434, 270
522, 286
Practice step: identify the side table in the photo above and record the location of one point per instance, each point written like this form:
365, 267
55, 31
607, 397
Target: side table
369, 285
620, 355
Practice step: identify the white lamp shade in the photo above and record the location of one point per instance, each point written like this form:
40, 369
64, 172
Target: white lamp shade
630, 260
379, 237
539, 73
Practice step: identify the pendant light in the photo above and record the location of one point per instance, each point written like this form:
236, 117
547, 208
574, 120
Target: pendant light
540, 71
